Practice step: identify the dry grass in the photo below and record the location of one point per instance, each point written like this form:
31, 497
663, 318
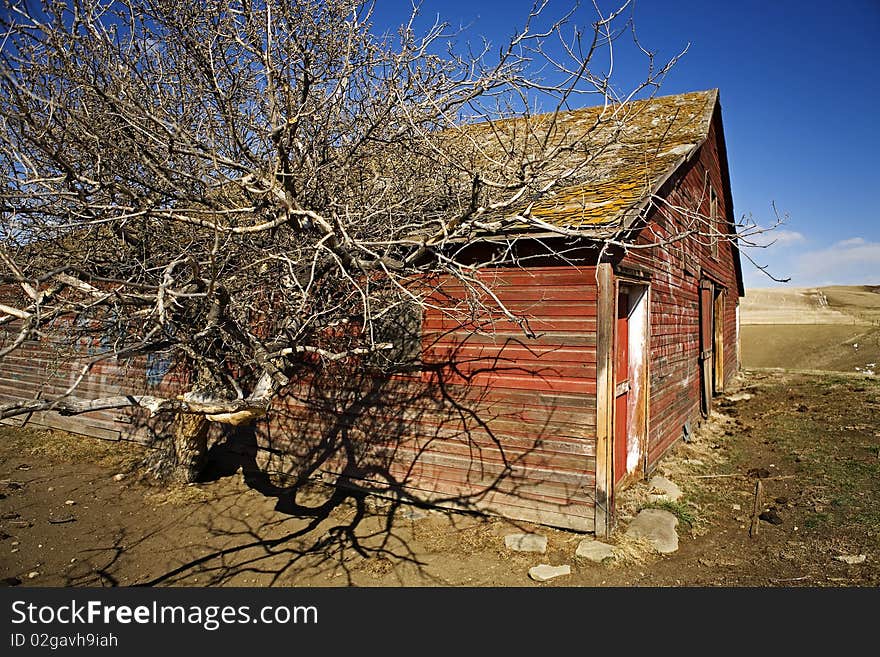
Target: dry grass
443, 531
687, 464
62, 447
860, 301
632, 551
834, 328
839, 304
180, 495
837, 348
691, 466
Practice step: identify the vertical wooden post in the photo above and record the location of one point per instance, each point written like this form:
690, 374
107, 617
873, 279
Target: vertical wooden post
756, 509
604, 400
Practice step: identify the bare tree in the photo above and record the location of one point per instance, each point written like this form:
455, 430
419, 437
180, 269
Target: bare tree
251, 189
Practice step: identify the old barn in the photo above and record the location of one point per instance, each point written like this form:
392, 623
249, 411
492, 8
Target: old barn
627, 345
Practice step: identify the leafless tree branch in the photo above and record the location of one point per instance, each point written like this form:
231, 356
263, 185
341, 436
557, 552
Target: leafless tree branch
248, 187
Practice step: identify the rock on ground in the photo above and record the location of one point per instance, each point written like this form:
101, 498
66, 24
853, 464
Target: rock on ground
543, 572
660, 488
594, 550
526, 542
413, 513
852, 559
657, 527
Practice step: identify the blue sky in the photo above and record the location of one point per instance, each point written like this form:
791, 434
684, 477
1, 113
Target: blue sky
800, 96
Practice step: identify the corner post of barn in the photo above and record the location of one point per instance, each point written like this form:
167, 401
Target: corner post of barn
604, 400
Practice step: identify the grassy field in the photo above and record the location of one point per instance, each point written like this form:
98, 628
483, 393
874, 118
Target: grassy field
835, 328
861, 302
827, 347
836, 304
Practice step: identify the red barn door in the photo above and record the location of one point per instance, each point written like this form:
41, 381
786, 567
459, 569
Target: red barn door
621, 384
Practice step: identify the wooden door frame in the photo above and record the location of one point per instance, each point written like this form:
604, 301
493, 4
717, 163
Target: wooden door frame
606, 316
620, 379
706, 351
711, 377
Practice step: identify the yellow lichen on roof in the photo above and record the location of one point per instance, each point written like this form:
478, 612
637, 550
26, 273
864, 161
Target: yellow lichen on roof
620, 154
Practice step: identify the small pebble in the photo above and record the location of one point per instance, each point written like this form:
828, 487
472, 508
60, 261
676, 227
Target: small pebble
69, 502
33, 574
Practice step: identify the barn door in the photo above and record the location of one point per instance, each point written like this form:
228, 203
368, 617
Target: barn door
707, 345
630, 381
718, 343
621, 383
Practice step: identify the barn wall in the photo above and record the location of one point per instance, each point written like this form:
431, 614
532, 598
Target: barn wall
543, 388
500, 422
675, 271
48, 367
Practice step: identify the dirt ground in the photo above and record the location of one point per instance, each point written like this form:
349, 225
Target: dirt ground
73, 513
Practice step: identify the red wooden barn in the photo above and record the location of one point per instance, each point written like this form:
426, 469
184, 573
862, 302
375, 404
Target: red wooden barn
630, 344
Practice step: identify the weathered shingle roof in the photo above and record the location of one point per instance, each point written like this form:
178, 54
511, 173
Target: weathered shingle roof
619, 155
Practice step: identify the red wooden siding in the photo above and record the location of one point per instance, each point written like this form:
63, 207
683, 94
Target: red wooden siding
45, 369
675, 273
504, 423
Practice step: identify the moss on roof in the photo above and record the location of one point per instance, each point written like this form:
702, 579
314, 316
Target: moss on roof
619, 154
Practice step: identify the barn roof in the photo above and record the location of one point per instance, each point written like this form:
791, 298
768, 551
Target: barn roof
614, 157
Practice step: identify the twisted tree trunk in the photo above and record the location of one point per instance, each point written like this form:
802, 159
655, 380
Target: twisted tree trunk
189, 448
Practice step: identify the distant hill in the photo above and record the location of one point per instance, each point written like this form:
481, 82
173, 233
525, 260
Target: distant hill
833, 328
834, 304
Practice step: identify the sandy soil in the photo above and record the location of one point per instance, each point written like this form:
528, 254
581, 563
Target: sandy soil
72, 513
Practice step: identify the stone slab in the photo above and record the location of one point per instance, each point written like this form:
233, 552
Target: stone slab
544, 572
657, 527
526, 542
